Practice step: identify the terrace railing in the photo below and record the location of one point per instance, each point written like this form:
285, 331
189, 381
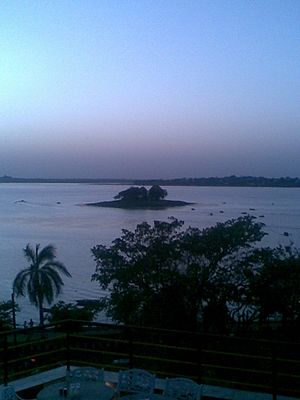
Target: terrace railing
242, 363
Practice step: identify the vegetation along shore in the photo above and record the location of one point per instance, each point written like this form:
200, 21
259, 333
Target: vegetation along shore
247, 181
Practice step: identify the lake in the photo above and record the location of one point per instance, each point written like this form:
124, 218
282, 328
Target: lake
54, 213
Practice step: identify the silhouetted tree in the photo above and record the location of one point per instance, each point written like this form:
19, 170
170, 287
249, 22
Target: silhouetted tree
140, 268
6, 312
41, 280
209, 256
161, 275
275, 286
64, 311
132, 194
156, 193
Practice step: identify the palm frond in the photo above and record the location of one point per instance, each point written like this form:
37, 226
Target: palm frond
33, 298
33, 288
59, 266
46, 254
47, 288
30, 253
56, 280
20, 281
55, 276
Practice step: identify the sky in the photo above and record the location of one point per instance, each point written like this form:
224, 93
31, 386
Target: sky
149, 88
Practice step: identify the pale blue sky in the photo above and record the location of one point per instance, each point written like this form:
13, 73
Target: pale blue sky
142, 89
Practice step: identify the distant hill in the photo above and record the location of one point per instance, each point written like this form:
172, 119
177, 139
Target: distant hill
247, 181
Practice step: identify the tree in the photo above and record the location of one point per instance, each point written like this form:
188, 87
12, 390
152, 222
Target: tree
63, 311
41, 280
163, 276
140, 269
210, 256
156, 193
6, 312
132, 194
276, 285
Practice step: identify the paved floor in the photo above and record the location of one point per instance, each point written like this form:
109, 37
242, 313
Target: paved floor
214, 392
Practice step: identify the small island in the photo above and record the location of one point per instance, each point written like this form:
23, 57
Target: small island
140, 197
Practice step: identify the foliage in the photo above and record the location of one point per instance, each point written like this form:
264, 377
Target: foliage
155, 193
216, 279
63, 311
132, 194
276, 285
41, 280
244, 181
164, 276
209, 256
139, 268
6, 313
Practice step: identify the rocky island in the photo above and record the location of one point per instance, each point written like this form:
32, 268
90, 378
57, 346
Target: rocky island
140, 197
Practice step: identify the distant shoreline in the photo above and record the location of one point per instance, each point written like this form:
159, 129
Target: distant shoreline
149, 205
229, 181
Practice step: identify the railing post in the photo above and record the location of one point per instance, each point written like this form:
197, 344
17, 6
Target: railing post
274, 372
130, 334
5, 359
199, 357
67, 328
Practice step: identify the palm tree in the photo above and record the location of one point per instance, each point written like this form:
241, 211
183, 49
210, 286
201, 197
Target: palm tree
41, 281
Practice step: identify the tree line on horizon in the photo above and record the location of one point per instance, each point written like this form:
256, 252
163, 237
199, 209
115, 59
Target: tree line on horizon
233, 180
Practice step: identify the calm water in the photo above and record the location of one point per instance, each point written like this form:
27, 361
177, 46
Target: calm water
52, 213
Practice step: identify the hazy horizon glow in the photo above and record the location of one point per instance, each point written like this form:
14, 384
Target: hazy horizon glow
142, 89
